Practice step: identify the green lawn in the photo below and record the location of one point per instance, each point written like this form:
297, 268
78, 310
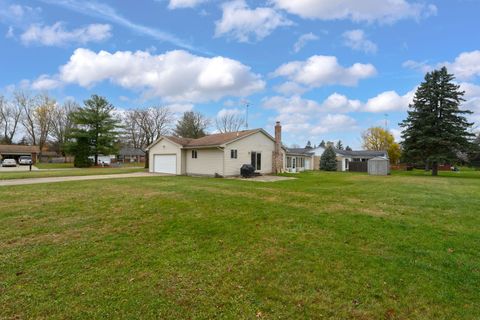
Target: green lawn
65, 173
323, 246
54, 165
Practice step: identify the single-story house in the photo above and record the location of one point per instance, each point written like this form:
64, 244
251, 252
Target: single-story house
299, 159
344, 157
12, 151
130, 154
220, 154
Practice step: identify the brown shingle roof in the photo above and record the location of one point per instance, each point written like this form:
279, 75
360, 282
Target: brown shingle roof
213, 139
7, 148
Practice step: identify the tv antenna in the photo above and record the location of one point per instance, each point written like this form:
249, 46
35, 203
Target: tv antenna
246, 104
386, 121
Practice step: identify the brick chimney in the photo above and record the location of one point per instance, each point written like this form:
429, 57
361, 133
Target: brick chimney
277, 153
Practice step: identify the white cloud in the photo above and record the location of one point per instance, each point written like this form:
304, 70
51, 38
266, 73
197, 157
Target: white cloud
335, 123
466, 65
175, 76
340, 103
384, 11
230, 112
318, 71
180, 4
389, 101
57, 35
18, 15
180, 107
357, 40
45, 82
290, 88
241, 23
302, 41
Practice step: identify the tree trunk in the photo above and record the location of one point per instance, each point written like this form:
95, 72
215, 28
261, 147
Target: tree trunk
147, 159
96, 159
435, 169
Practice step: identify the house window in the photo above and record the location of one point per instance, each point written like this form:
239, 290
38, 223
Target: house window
233, 154
289, 162
256, 158
194, 154
301, 162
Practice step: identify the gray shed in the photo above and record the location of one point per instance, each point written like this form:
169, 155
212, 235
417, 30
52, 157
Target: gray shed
379, 166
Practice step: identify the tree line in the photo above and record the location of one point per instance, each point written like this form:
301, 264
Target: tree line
96, 127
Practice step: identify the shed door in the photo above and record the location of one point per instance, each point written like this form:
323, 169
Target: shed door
165, 163
308, 165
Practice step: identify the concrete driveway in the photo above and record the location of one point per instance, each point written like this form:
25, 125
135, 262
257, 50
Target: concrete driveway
17, 168
18, 182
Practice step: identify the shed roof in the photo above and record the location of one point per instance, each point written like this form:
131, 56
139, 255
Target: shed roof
300, 151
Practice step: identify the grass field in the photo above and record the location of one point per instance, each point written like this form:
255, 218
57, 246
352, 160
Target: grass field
323, 246
54, 165
65, 173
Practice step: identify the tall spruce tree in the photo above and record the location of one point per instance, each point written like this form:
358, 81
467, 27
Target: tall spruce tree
322, 144
436, 130
339, 145
96, 123
328, 160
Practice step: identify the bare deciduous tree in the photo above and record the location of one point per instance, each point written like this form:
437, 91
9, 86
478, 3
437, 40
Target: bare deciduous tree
25, 102
42, 117
62, 123
10, 114
144, 126
229, 122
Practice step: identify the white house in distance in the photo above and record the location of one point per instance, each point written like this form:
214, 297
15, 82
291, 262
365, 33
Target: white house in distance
344, 157
224, 154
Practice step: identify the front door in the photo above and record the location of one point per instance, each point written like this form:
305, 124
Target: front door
294, 164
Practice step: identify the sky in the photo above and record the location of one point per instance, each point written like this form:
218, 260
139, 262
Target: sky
327, 70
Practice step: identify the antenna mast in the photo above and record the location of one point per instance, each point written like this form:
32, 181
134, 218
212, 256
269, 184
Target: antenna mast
246, 104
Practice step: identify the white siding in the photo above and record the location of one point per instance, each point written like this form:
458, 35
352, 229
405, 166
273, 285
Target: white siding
165, 147
208, 162
256, 142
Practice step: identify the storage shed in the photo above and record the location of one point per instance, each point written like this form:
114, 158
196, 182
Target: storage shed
379, 166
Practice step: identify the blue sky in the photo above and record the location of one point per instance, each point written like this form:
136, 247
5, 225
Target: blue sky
326, 69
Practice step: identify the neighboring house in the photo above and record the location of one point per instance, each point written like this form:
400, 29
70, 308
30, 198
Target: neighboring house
344, 157
129, 154
299, 159
218, 154
16, 151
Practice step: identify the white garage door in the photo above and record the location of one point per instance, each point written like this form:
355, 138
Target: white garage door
165, 163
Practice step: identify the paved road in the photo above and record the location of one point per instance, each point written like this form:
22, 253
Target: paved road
18, 182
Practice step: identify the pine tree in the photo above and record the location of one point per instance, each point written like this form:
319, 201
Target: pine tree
339, 145
81, 152
348, 148
96, 123
322, 144
436, 130
191, 125
328, 160
309, 145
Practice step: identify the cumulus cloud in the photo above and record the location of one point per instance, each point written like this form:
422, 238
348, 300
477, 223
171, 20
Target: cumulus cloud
241, 23
384, 11
180, 4
290, 88
335, 123
357, 40
466, 65
57, 35
303, 40
389, 101
176, 76
318, 71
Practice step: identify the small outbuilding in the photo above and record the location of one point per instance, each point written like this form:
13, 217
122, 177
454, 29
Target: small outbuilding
379, 166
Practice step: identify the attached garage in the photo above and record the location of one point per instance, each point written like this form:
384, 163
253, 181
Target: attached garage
165, 163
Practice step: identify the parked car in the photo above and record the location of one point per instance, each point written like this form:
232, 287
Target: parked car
25, 160
9, 163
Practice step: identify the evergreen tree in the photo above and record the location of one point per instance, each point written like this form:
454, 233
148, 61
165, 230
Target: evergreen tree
81, 152
96, 123
191, 125
328, 160
309, 145
348, 148
436, 130
322, 144
339, 145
